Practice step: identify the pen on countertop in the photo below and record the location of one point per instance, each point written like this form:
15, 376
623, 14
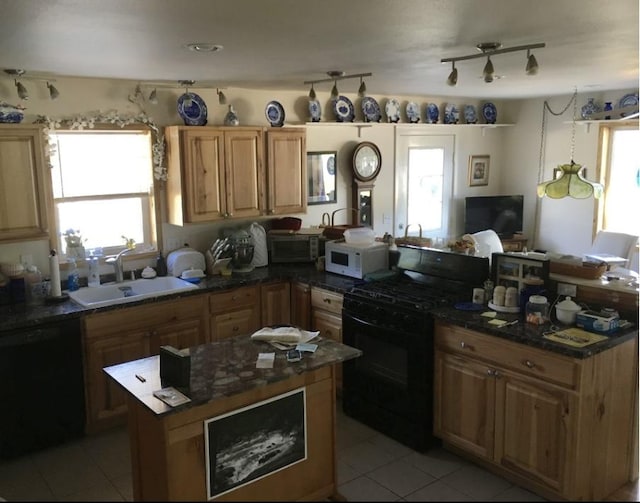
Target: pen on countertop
140, 378
510, 323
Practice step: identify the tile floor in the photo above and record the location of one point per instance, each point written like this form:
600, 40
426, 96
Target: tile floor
371, 467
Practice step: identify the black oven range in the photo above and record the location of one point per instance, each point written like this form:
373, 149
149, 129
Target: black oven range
390, 387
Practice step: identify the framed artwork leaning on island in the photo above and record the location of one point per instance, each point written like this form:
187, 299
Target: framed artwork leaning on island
478, 170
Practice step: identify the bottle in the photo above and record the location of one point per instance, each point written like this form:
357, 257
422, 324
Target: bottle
94, 271
73, 280
607, 108
161, 265
488, 291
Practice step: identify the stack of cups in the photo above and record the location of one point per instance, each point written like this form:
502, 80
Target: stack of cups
511, 297
499, 293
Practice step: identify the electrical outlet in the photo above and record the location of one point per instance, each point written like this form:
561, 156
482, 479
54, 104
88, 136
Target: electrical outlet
567, 289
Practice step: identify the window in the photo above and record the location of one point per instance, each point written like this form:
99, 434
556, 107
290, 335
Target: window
424, 184
620, 173
103, 188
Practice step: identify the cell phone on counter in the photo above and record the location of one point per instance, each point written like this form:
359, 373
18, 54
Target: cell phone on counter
294, 355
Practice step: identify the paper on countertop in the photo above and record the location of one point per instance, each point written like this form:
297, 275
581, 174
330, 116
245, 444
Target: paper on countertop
265, 360
310, 348
489, 314
171, 396
291, 335
498, 323
575, 337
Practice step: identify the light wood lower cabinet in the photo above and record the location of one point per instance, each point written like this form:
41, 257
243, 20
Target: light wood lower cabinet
234, 312
326, 317
560, 426
129, 334
301, 305
276, 303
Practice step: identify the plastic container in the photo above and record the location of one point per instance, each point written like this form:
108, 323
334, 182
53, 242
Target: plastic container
566, 311
537, 310
359, 235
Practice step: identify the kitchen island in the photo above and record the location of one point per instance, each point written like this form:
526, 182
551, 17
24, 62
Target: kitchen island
282, 418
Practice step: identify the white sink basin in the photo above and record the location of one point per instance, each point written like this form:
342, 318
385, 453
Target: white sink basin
129, 291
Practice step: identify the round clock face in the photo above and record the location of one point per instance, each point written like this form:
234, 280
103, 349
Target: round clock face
366, 161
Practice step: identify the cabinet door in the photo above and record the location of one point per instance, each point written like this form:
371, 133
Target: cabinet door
301, 305
464, 397
24, 184
330, 326
244, 170
106, 401
286, 171
180, 334
276, 304
532, 421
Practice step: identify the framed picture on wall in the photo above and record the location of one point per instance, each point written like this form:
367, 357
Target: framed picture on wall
478, 170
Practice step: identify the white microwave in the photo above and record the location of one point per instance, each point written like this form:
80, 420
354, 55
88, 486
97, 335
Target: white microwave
354, 259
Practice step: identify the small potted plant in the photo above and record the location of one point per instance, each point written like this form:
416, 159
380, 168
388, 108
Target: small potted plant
73, 240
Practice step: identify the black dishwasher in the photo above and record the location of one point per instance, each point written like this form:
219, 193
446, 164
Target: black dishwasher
43, 389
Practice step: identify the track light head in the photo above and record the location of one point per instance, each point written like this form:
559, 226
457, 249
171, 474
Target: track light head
362, 90
153, 97
334, 91
312, 93
53, 92
222, 99
532, 64
22, 91
452, 79
488, 73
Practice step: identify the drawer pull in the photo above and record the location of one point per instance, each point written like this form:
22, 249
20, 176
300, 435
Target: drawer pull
464, 345
530, 364
328, 301
235, 329
494, 373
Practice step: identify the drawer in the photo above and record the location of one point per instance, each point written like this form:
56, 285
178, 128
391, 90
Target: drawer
225, 301
509, 355
326, 300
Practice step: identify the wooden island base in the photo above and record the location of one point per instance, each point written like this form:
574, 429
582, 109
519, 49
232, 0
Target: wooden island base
168, 451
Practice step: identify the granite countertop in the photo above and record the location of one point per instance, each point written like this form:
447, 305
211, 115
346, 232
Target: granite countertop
529, 334
24, 315
225, 368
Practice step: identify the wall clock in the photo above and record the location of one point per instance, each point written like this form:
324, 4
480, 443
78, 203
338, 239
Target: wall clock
366, 161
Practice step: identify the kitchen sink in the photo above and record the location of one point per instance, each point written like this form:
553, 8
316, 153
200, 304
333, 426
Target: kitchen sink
130, 291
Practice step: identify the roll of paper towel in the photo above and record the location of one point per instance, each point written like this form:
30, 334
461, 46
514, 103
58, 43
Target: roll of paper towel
54, 272
359, 235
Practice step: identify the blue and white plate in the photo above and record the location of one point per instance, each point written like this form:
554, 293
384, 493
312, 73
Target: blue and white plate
432, 113
451, 114
489, 113
314, 110
274, 113
343, 108
370, 110
470, 114
413, 112
192, 109
628, 100
392, 109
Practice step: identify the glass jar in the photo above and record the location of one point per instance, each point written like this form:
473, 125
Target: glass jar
537, 310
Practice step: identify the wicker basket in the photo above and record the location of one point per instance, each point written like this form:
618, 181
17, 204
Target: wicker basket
578, 271
413, 240
337, 231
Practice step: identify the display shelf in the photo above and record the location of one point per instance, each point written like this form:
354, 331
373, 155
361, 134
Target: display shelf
361, 125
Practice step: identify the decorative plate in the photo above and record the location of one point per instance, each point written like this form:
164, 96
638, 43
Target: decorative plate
451, 114
392, 108
192, 109
10, 113
470, 114
314, 110
628, 100
370, 110
432, 113
331, 165
489, 113
343, 108
274, 113
413, 112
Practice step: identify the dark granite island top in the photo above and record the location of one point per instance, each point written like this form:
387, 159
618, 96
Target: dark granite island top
225, 368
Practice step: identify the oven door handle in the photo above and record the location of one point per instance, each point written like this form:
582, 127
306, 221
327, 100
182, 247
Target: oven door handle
358, 320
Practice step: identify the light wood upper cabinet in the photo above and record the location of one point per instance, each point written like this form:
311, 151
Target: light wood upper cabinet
286, 171
214, 173
24, 183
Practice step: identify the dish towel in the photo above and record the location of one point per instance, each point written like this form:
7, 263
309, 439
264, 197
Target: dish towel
290, 335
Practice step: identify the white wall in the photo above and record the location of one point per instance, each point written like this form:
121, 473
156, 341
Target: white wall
565, 225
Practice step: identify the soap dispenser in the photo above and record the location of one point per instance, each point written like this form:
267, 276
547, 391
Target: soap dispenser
73, 280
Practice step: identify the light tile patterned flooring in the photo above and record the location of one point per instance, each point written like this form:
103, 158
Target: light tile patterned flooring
371, 467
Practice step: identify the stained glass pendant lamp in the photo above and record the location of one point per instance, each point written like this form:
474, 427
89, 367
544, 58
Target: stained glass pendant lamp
571, 182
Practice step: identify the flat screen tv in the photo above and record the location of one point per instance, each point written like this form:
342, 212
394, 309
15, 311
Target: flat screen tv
503, 214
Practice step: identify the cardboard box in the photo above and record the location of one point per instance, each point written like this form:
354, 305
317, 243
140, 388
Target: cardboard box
597, 322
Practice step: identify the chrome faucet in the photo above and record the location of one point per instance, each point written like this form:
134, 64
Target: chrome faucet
116, 262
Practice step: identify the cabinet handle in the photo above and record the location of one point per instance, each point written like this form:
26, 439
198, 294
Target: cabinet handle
464, 345
235, 329
328, 301
491, 372
530, 364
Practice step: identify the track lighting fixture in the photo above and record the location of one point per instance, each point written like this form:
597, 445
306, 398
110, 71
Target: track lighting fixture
452, 79
53, 92
22, 91
488, 50
335, 76
222, 99
153, 97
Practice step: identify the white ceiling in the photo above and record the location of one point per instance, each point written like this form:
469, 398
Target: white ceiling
278, 44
